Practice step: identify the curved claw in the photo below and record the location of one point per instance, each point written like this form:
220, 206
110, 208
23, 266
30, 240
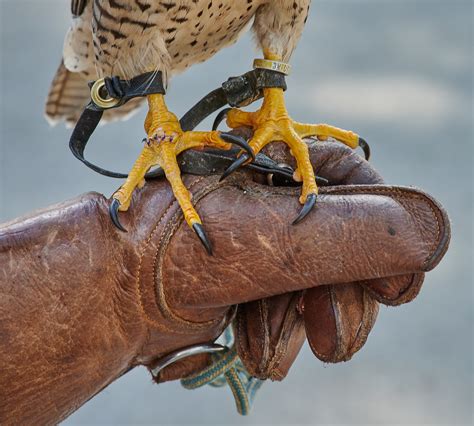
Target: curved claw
239, 141
199, 230
308, 205
280, 178
220, 118
365, 147
113, 212
320, 181
234, 166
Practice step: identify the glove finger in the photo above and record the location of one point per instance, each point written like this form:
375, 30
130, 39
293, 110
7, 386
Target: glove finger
338, 319
269, 334
355, 233
394, 291
337, 163
342, 165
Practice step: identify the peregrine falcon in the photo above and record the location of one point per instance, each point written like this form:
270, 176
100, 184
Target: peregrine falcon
127, 38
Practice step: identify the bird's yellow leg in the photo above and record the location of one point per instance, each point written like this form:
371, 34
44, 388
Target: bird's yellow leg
165, 141
136, 177
325, 131
272, 123
173, 175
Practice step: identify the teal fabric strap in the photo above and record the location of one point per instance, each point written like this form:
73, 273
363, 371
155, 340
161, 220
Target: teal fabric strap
227, 368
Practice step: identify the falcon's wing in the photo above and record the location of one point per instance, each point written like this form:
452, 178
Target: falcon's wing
77, 7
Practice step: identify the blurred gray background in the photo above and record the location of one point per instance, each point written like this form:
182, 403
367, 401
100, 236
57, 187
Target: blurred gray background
398, 72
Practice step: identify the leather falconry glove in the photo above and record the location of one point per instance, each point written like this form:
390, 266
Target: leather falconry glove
82, 303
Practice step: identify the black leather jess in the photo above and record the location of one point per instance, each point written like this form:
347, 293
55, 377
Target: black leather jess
236, 91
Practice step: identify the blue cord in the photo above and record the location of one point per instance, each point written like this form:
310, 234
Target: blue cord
227, 368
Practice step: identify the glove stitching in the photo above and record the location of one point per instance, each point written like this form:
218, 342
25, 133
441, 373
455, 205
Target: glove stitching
340, 338
289, 323
322, 357
412, 290
368, 319
166, 236
242, 348
263, 316
142, 254
153, 321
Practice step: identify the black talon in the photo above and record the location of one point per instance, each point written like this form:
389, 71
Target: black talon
281, 178
113, 212
199, 230
308, 205
239, 141
220, 117
234, 166
365, 147
320, 181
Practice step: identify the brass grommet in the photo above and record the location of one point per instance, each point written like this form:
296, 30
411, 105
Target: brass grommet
97, 98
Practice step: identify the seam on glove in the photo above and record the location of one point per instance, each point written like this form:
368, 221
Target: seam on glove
263, 319
141, 287
166, 236
289, 323
150, 320
242, 349
340, 338
407, 295
367, 321
322, 357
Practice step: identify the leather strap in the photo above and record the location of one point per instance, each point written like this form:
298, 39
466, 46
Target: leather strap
122, 90
236, 92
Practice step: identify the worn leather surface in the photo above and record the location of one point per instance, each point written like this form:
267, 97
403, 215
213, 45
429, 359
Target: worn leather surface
338, 319
265, 350
81, 303
269, 334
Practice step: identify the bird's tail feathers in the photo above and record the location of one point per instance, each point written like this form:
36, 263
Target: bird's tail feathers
67, 97
69, 94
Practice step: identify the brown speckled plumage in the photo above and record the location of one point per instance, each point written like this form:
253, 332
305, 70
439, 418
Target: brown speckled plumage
130, 37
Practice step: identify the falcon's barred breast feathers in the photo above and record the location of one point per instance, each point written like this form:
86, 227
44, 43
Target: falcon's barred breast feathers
127, 38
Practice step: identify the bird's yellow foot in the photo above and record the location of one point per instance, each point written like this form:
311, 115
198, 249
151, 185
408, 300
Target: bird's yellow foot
272, 123
165, 141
